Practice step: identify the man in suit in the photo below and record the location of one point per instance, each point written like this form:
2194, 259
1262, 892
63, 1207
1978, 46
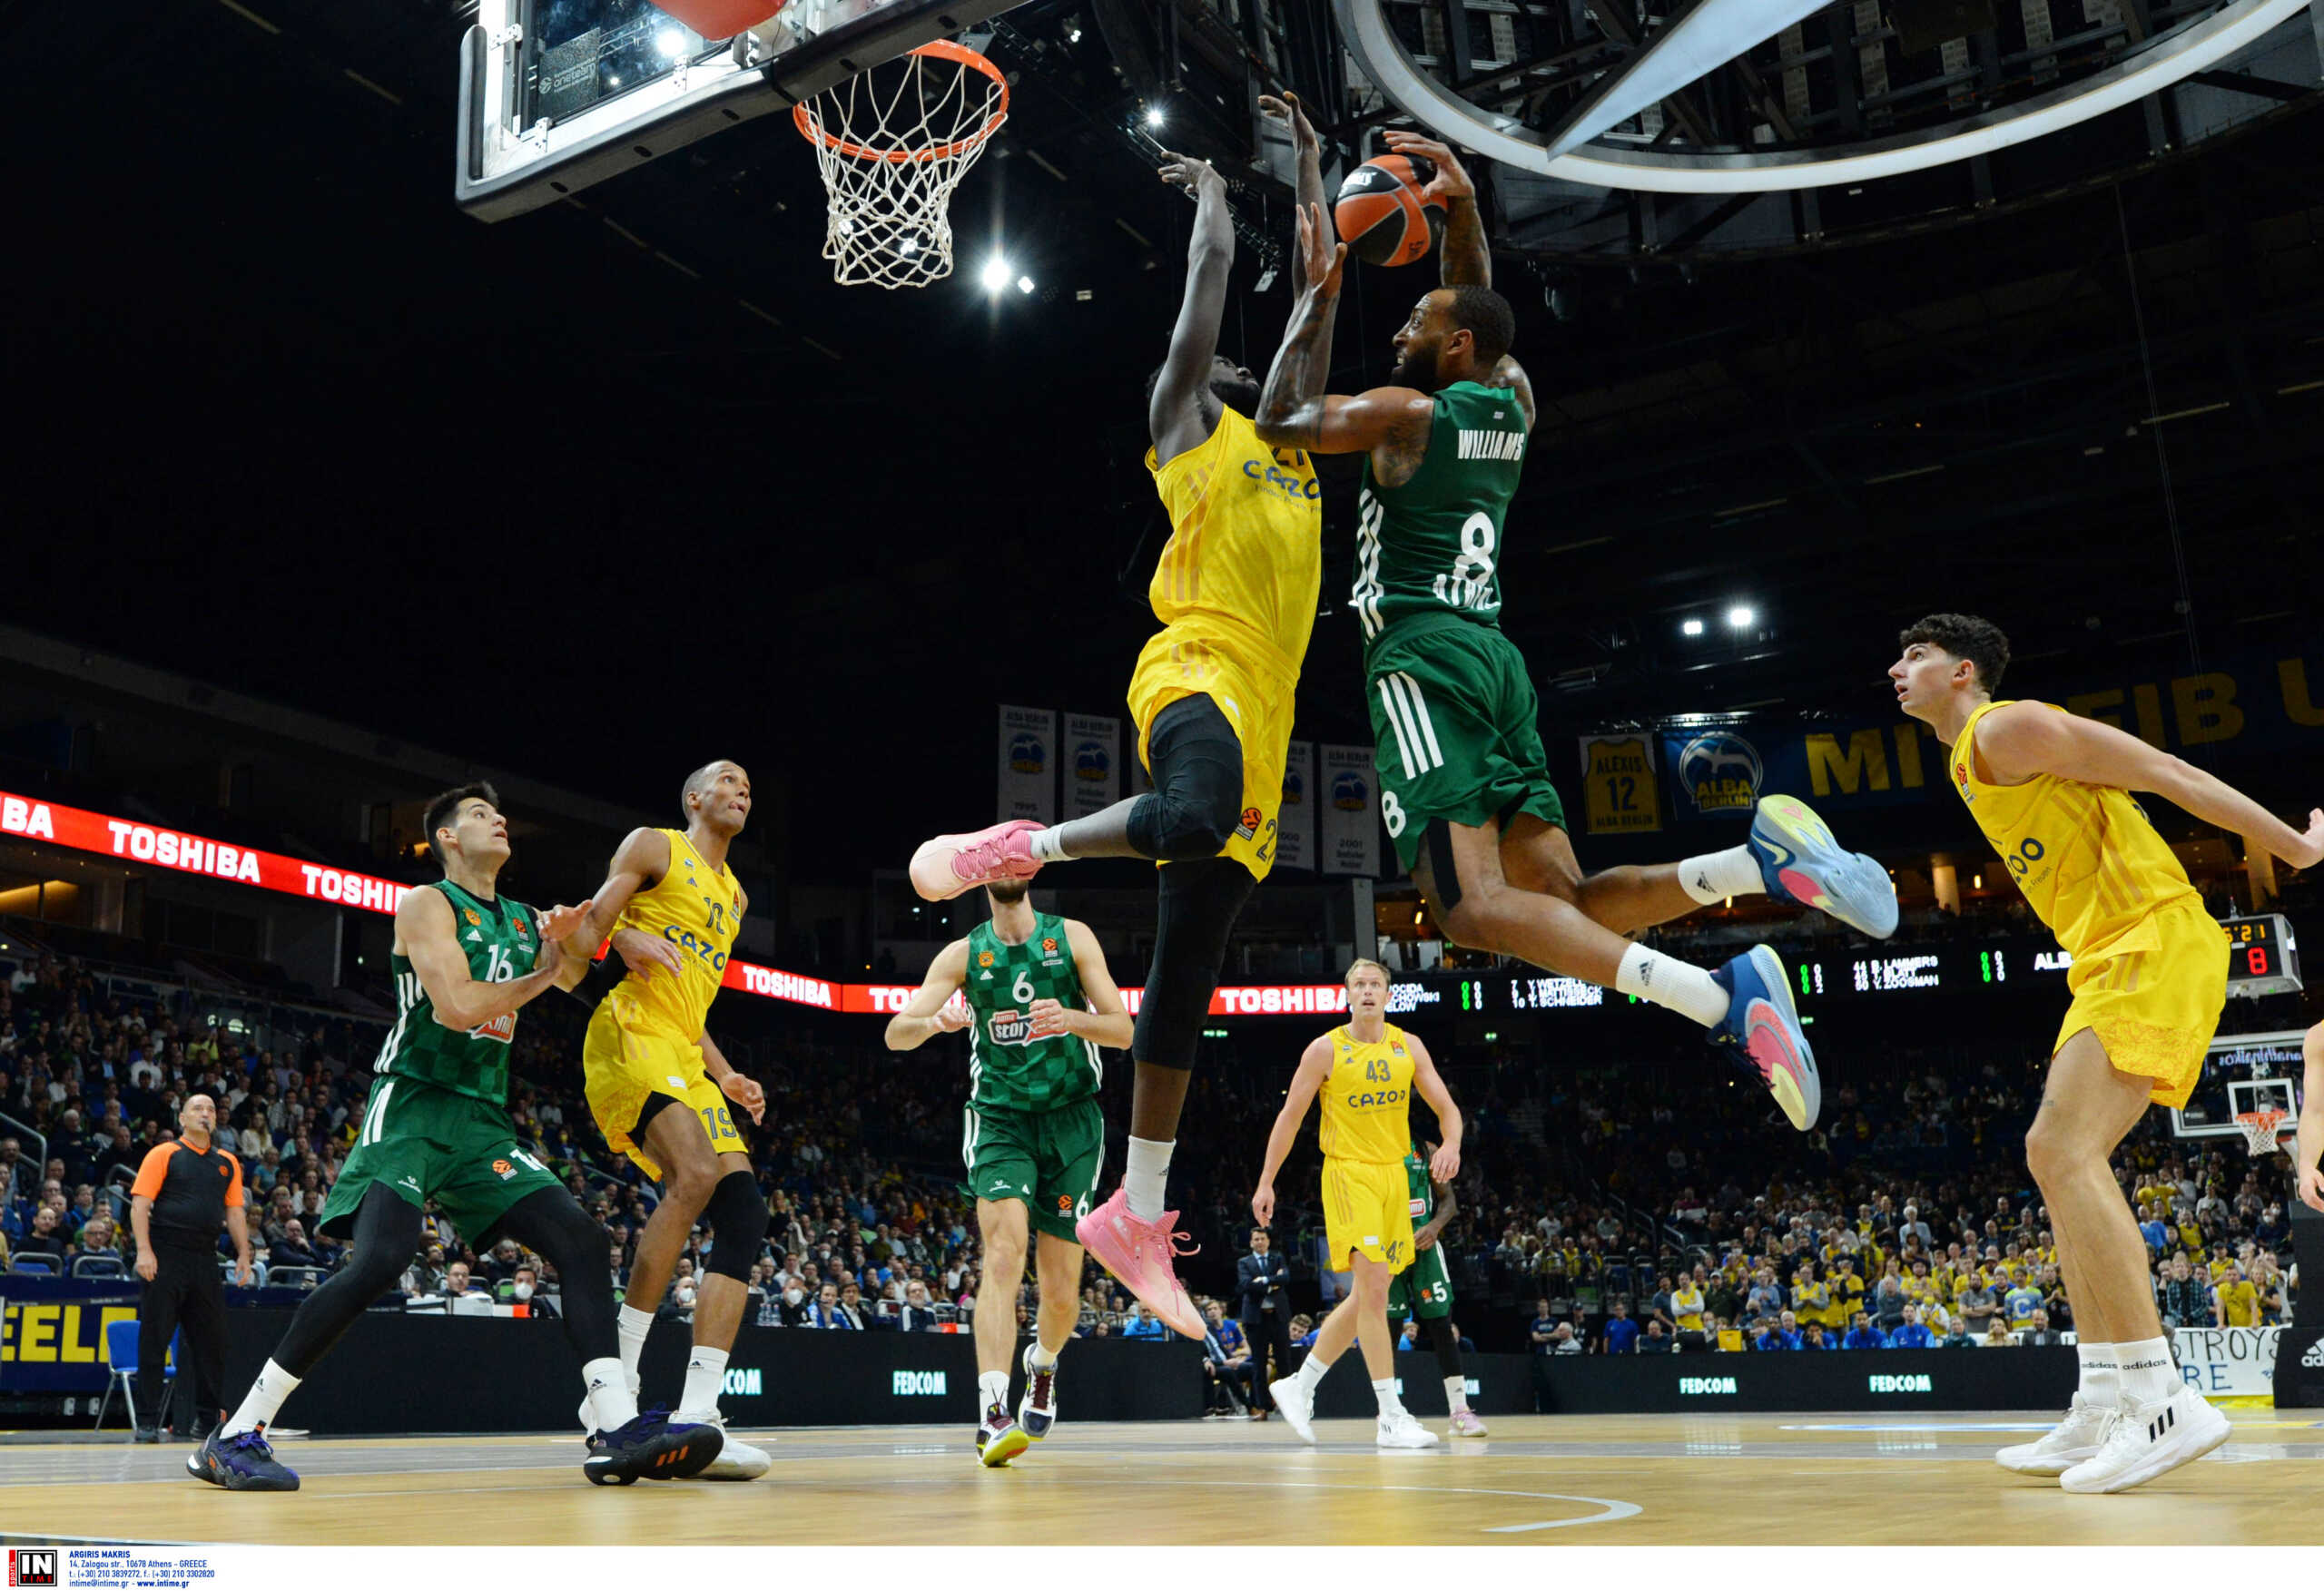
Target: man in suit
1263, 1308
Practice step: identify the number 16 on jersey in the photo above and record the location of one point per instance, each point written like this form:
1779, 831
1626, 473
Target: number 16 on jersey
1618, 775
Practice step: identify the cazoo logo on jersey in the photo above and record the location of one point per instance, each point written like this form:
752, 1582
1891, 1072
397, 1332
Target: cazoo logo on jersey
1721, 772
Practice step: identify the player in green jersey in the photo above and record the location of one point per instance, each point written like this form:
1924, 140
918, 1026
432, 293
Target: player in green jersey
465, 960
1037, 1003
1424, 1290
1465, 790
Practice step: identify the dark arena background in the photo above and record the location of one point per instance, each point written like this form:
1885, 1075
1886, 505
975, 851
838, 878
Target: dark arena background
411, 393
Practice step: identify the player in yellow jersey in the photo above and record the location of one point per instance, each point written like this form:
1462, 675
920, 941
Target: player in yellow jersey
676, 908
2052, 793
1366, 1073
1235, 590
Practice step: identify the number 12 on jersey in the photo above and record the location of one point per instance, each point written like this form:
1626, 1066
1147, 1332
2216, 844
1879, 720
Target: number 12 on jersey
1624, 797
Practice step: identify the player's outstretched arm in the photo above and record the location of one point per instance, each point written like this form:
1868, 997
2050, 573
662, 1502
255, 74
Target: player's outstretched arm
1308, 150
2309, 1135
1174, 416
428, 933
2025, 738
1293, 409
930, 1010
1107, 1020
1463, 259
1446, 1164
1314, 1066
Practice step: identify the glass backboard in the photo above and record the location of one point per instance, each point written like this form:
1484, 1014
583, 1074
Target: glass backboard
2247, 1072
557, 95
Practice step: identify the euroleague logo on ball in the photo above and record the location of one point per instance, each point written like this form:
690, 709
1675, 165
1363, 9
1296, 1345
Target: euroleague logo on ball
1383, 213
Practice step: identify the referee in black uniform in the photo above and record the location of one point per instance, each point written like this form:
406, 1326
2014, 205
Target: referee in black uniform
185, 1192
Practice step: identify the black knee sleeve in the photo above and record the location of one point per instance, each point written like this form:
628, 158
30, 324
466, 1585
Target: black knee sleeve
386, 1236
1447, 1338
1196, 905
1197, 795
738, 1218
553, 1224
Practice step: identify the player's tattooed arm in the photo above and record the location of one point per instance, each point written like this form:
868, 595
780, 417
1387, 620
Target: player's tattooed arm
1314, 1066
1464, 258
2023, 738
1107, 1020
934, 1007
426, 933
1509, 373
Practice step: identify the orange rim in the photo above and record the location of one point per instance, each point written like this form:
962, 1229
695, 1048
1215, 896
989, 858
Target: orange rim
941, 50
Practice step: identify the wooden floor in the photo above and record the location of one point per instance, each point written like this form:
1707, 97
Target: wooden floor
1619, 1479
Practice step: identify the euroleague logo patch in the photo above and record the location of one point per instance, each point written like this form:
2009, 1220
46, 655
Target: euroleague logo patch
1063, 1204
505, 1170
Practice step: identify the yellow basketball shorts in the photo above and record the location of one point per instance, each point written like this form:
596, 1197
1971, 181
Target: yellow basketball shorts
1368, 1210
630, 1055
2153, 996
1176, 665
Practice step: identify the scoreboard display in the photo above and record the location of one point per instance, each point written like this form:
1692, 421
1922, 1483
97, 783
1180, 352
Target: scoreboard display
2262, 958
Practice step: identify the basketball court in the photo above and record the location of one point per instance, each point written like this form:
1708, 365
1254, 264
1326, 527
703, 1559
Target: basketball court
1615, 1479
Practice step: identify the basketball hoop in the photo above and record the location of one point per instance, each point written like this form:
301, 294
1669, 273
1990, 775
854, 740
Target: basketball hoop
2260, 1129
892, 143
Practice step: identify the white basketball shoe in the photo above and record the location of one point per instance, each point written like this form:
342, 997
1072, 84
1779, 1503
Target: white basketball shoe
2077, 1438
2151, 1439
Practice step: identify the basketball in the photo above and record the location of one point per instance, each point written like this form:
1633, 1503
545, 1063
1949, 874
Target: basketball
1382, 214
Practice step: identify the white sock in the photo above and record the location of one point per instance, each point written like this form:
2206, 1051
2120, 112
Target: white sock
1146, 1169
1043, 1356
1456, 1393
1385, 1391
1679, 985
634, 1324
2149, 1374
705, 1379
265, 1398
1047, 846
1312, 1370
2102, 1381
1722, 873
992, 1388
611, 1401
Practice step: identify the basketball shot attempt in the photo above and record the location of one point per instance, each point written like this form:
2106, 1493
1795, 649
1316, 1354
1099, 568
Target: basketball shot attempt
1465, 790
2052, 793
1039, 1004
1367, 1073
1235, 590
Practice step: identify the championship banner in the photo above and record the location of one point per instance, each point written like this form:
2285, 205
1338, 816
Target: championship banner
1619, 785
1294, 831
1093, 763
1029, 764
1350, 818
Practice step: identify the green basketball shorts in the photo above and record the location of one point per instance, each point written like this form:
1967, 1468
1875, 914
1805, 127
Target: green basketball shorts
1454, 729
428, 1143
1048, 1161
1424, 1288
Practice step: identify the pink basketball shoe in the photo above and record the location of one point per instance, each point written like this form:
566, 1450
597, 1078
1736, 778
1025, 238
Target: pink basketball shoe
953, 864
1138, 1253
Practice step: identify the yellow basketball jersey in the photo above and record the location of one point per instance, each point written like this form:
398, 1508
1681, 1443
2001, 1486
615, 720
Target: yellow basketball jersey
1367, 1098
2090, 864
1244, 565
698, 908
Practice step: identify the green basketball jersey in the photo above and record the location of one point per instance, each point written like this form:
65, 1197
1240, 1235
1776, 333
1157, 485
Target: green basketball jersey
502, 940
1424, 1190
1006, 1069
1433, 546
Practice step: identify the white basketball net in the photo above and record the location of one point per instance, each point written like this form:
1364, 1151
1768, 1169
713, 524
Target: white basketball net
892, 143
2260, 1130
